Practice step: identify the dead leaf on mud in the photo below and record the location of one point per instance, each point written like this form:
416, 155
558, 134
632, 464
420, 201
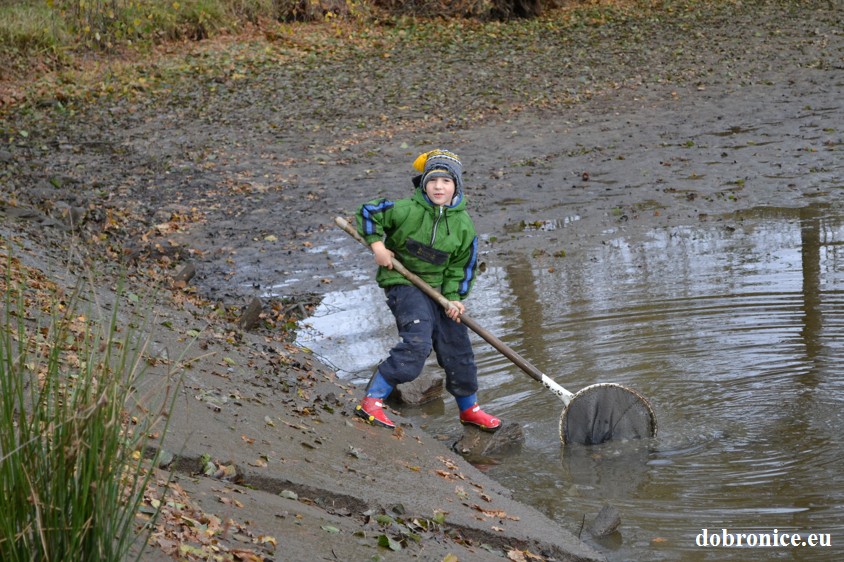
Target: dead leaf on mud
226, 472
498, 513
454, 474
229, 501
356, 453
166, 228
295, 425
448, 463
185, 531
523, 556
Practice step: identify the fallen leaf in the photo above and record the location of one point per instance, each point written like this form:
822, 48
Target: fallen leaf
245, 556
387, 542
491, 512
226, 472
289, 494
230, 501
266, 539
516, 556
356, 453
383, 519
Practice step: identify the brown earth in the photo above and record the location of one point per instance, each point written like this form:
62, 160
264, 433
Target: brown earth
236, 158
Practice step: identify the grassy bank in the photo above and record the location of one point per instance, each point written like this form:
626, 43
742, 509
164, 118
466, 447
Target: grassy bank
56, 29
61, 54
45, 37
73, 427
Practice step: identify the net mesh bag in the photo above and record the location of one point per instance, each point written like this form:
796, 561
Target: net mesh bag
604, 412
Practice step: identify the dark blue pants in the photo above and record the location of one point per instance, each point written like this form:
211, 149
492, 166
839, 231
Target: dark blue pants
423, 325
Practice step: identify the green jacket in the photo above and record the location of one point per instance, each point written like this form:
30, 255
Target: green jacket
439, 244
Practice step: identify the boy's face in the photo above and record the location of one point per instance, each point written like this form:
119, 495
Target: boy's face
440, 190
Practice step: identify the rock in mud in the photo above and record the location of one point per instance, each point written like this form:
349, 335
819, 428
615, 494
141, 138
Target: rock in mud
426, 388
477, 443
181, 279
251, 314
605, 523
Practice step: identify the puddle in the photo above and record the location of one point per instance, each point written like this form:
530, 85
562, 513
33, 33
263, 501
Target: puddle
733, 329
540, 225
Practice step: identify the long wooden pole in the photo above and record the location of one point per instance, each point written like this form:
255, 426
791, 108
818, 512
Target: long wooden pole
503, 348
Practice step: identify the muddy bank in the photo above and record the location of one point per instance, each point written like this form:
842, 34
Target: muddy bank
239, 169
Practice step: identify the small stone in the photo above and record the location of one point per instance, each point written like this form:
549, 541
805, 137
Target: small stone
425, 388
606, 522
478, 443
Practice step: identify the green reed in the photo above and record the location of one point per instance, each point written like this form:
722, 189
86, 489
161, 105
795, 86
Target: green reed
73, 431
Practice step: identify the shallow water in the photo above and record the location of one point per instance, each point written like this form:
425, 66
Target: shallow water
733, 329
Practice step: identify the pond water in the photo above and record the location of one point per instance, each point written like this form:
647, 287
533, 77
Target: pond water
733, 329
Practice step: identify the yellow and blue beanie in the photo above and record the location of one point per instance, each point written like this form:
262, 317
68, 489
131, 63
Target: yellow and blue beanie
440, 163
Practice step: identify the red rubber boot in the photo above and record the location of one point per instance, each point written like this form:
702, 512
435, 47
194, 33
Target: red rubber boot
477, 417
372, 410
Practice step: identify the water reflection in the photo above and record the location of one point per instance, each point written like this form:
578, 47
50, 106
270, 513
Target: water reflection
351, 330
616, 470
733, 329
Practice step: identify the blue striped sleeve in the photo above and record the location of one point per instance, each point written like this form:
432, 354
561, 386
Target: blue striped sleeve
469, 270
369, 225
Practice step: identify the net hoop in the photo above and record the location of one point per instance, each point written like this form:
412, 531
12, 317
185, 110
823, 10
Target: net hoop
606, 411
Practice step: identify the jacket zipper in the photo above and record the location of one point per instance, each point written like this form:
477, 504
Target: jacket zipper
436, 223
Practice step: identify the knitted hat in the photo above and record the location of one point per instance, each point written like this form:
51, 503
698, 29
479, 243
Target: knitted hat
440, 163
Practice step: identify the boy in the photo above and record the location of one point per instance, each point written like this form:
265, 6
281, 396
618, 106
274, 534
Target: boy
433, 236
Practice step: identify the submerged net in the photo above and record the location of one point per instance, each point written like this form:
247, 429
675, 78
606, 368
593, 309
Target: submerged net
603, 412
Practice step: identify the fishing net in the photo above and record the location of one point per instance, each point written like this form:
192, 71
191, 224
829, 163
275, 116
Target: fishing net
604, 412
